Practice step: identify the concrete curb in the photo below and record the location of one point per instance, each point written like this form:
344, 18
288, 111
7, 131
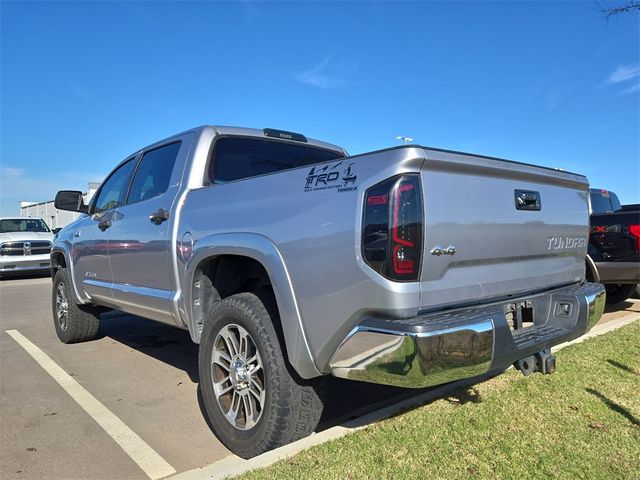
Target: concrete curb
233, 465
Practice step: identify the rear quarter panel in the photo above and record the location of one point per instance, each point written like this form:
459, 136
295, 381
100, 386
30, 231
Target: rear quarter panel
316, 229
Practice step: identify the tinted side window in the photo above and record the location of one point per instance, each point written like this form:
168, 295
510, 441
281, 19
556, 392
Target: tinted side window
114, 190
154, 172
236, 158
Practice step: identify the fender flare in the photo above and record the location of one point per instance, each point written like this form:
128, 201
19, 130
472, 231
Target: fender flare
63, 249
263, 250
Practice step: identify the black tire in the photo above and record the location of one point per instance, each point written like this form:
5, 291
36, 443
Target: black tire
81, 322
617, 293
292, 407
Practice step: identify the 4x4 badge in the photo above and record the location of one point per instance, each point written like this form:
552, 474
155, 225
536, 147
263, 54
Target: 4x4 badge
438, 250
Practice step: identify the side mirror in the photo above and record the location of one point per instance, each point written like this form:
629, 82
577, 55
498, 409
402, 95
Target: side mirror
56, 230
71, 200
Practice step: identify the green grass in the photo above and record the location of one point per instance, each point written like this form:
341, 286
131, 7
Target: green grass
581, 422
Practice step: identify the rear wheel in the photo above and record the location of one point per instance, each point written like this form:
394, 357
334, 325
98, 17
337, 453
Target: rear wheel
617, 293
73, 323
253, 400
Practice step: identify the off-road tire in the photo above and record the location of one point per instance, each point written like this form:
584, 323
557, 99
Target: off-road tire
82, 321
617, 293
292, 406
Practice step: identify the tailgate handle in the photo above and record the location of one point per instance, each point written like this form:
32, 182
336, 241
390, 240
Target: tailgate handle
527, 200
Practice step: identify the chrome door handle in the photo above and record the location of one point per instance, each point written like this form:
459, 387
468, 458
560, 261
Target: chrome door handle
159, 216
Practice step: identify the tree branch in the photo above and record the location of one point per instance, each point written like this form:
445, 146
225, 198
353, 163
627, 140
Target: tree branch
627, 8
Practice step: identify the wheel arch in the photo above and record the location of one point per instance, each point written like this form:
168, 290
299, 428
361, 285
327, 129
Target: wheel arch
591, 270
60, 258
256, 254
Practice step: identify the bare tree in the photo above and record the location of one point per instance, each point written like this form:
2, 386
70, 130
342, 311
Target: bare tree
628, 7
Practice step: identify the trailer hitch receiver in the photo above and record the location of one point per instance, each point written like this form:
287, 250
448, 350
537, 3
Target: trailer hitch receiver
543, 362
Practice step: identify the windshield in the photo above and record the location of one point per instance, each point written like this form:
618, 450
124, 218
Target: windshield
23, 225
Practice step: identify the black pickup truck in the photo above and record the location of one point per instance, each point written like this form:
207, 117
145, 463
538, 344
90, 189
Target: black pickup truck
614, 245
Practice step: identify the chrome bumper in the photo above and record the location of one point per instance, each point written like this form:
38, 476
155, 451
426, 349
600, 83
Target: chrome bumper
438, 348
24, 263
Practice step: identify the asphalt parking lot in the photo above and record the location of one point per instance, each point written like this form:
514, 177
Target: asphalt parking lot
143, 373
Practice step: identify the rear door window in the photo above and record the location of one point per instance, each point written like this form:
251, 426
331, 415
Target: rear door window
235, 158
154, 173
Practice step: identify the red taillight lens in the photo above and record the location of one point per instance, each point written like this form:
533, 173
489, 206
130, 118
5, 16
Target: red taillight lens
635, 231
392, 228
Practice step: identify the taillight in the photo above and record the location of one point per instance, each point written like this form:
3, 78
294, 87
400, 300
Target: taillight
635, 231
392, 228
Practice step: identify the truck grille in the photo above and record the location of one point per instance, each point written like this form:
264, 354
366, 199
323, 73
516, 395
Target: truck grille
25, 248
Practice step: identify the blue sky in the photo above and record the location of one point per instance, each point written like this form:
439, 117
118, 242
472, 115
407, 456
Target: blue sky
85, 84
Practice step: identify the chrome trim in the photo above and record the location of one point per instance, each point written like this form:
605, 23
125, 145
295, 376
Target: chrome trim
23, 268
415, 360
596, 302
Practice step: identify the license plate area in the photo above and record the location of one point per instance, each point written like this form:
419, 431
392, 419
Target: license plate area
519, 315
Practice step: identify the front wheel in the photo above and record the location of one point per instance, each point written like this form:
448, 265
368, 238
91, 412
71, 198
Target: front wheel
253, 400
73, 323
617, 293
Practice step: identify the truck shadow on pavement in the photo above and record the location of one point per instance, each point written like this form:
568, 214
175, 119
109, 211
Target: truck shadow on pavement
168, 344
345, 399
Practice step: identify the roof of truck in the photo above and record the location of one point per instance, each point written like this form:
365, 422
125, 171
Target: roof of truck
254, 132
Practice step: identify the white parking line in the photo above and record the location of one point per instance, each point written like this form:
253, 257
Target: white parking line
146, 457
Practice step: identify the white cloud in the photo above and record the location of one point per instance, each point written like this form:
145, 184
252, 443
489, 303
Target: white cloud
632, 88
324, 75
622, 73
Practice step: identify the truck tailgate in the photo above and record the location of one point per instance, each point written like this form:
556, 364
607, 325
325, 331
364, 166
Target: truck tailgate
503, 246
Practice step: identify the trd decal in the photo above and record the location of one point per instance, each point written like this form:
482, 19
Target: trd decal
339, 175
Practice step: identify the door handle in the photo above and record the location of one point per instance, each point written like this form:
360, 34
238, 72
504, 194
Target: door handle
104, 224
159, 216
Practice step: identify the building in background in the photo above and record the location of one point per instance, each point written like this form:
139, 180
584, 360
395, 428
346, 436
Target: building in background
55, 218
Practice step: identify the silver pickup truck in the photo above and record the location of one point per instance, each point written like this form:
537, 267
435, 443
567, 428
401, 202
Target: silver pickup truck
288, 260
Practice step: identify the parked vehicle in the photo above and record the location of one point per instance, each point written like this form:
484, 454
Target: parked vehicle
614, 245
288, 260
25, 245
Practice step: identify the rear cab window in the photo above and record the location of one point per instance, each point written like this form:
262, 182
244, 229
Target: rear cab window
603, 201
235, 158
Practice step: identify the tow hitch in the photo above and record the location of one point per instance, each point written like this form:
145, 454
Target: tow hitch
543, 362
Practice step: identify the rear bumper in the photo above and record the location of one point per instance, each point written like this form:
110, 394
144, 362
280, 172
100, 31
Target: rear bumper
438, 348
619, 272
24, 263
